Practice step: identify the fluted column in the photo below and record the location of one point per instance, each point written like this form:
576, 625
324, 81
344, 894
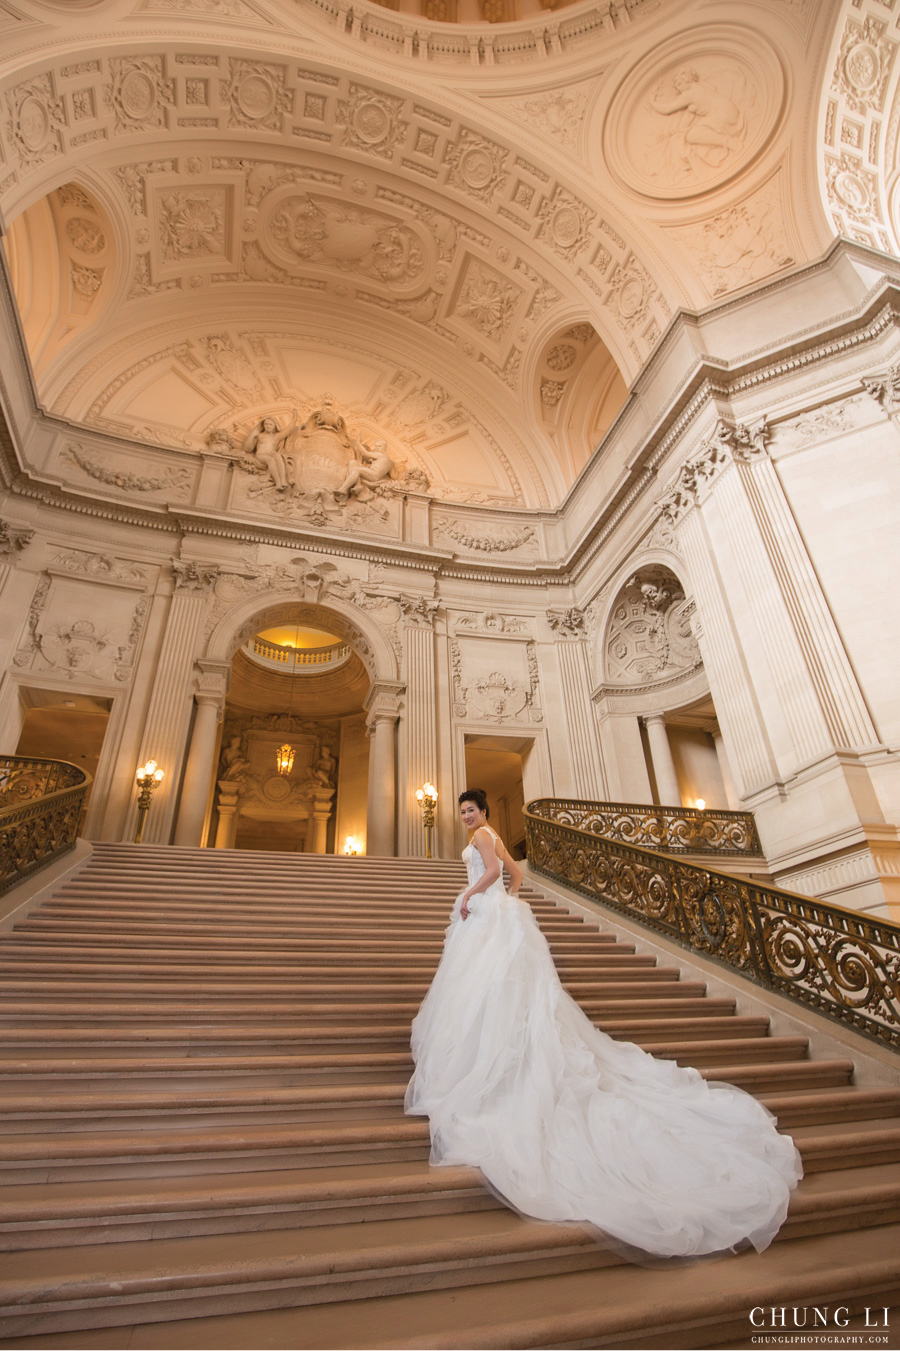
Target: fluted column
663, 765
382, 707
199, 768
420, 721
169, 712
725, 770
588, 777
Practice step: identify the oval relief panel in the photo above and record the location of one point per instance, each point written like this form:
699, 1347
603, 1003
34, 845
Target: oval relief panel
299, 230
695, 114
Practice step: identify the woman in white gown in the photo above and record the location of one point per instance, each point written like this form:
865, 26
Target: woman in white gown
564, 1122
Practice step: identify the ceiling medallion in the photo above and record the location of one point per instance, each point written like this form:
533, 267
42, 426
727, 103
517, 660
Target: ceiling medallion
137, 94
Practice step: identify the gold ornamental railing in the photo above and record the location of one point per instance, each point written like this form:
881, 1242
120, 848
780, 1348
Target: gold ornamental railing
844, 963
677, 830
40, 808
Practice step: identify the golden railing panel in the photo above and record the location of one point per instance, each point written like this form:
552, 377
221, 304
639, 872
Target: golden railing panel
40, 809
844, 963
678, 830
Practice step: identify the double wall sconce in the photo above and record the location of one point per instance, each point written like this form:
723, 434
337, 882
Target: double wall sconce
427, 797
149, 777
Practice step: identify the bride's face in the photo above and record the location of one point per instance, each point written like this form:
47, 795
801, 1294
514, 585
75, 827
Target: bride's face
472, 815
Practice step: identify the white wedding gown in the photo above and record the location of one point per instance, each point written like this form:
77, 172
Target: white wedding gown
567, 1124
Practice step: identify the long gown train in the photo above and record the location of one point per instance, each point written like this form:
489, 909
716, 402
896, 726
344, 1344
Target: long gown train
567, 1124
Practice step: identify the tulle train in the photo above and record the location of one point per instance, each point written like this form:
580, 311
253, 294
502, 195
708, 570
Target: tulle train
567, 1124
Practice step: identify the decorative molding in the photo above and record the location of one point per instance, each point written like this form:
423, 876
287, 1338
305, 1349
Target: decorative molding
194, 578
568, 623
499, 540
13, 540
172, 480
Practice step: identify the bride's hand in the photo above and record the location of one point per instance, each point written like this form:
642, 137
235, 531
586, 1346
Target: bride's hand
464, 911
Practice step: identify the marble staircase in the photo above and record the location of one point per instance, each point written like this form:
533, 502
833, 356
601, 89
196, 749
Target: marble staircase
203, 1056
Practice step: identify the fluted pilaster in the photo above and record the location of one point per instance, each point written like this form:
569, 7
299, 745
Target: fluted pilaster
419, 732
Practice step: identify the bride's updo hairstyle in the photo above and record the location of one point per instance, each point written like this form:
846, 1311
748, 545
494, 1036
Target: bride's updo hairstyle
479, 797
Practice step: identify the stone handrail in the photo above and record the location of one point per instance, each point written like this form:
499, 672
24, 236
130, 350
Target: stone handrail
676, 830
843, 963
40, 808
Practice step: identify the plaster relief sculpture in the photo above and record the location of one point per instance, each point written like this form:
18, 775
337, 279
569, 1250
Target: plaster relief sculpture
234, 766
301, 229
692, 118
649, 636
864, 64
139, 93
256, 95
322, 773
371, 121
373, 466
498, 539
568, 623
740, 245
192, 223
267, 443
102, 566
12, 540
36, 120
487, 301
492, 622
485, 694
565, 223
476, 165
558, 114
174, 482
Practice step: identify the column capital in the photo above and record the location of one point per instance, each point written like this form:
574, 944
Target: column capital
382, 703
567, 623
193, 578
211, 681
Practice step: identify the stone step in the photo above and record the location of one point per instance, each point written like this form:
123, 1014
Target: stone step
80, 1287
69, 1105
131, 1210
66, 1037
646, 984
383, 962
213, 1277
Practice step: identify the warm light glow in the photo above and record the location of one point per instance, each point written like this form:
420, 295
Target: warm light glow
150, 771
427, 790
284, 759
419, 794
352, 845
700, 804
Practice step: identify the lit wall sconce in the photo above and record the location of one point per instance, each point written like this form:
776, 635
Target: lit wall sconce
700, 804
148, 780
427, 797
352, 846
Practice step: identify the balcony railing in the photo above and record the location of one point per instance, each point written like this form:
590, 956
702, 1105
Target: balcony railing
844, 963
40, 807
677, 830
298, 659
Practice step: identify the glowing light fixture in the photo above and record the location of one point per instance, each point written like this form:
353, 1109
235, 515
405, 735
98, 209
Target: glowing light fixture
148, 779
700, 804
352, 845
427, 797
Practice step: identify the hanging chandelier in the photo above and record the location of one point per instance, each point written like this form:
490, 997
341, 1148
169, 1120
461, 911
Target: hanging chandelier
284, 756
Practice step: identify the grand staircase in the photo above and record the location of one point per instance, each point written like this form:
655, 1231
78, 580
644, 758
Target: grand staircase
203, 1063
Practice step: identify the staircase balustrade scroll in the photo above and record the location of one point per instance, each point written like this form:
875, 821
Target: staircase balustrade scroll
41, 802
843, 963
677, 830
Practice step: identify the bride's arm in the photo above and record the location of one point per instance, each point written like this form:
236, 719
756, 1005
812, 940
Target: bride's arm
484, 843
516, 876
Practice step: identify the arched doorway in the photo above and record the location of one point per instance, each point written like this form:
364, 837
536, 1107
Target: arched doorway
293, 766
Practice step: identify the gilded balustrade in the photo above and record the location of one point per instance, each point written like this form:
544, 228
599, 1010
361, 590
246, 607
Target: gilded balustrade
677, 830
40, 809
844, 963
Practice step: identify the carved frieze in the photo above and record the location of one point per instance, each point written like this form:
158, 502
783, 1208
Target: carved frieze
490, 621
102, 567
172, 481
484, 539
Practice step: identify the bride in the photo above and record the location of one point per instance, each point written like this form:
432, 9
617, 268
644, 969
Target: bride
565, 1123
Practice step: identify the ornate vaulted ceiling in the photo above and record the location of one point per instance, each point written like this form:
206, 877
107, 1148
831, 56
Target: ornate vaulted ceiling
471, 235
